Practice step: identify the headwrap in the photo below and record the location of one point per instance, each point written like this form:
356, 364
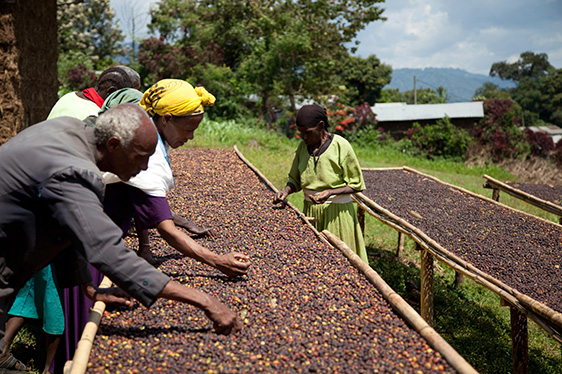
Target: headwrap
124, 95
311, 115
92, 95
176, 97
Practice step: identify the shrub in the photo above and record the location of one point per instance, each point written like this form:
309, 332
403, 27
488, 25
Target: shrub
442, 139
541, 143
346, 120
80, 78
557, 153
499, 130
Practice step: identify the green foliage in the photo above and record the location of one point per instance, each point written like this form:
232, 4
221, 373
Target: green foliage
89, 26
529, 65
422, 96
281, 47
490, 91
223, 83
364, 79
442, 139
539, 87
68, 61
498, 131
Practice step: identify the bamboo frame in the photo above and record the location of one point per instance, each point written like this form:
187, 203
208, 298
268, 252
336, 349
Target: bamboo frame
528, 198
79, 363
403, 308
549, 319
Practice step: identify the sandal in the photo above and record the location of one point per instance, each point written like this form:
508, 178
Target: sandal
13, 363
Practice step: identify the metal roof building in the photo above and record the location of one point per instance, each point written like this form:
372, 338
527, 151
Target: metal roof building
399, 117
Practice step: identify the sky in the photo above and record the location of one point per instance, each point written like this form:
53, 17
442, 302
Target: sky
470, 35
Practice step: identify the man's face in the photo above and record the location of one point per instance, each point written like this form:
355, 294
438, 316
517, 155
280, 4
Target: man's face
129, 162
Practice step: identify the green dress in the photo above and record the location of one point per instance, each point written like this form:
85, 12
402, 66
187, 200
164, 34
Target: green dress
336, 167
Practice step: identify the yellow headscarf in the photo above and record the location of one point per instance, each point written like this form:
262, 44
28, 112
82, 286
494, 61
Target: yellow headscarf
176, 97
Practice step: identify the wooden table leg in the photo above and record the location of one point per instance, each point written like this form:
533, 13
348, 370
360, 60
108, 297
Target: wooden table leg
426, 286
519, 341
400, 248
496, 195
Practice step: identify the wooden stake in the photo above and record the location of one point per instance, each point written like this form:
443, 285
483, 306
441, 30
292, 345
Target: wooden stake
496, 194
426, 286
459, 279
400, 248
520, 341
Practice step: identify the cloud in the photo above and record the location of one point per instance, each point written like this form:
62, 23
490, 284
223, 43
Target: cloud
469, 35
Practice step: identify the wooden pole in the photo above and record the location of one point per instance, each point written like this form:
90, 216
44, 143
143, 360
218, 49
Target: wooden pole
79, 362
400, 248
459, 278
426, 286
520, 341
496, 194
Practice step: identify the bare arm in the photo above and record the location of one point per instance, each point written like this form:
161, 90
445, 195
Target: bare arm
224, 320
231, 264
321, 197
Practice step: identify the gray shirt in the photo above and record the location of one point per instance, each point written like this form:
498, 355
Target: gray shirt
51, 194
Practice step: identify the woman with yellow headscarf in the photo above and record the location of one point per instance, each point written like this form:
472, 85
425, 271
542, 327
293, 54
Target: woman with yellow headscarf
176, 108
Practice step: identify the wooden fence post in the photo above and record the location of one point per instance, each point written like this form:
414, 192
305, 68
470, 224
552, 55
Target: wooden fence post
400, 248
426, 286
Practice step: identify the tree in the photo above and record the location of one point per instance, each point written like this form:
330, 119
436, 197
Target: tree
529, 65
489, 91
280, 46
365, 78
538, 90
88, 26
423, 96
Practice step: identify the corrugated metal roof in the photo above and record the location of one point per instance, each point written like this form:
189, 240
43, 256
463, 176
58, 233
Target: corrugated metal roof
387, 112
551, 130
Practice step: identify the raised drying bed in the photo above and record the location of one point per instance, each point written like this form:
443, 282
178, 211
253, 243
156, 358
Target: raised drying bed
514, 254
544, 196
304, 307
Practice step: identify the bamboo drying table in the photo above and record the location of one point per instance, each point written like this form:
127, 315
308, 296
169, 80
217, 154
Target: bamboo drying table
258, 281
537, 201
522, 305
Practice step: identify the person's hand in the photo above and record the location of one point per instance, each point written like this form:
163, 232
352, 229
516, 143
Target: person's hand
181, 221
197, 230
224, 320
320, 197
233, 264
280, 196
113, 296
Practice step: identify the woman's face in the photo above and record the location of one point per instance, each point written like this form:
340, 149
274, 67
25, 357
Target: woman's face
312, 136
178, 130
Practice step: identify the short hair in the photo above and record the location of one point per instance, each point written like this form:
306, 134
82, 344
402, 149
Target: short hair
121, 122
114, 76
132, 73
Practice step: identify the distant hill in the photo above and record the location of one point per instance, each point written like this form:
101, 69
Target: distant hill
460, 84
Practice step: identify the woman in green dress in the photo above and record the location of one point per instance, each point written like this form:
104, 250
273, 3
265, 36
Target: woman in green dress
327, 170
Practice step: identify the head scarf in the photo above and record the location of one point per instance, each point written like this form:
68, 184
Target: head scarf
311, 115
176, 97
124, 95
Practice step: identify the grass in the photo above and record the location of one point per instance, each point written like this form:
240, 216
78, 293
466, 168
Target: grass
469, 317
